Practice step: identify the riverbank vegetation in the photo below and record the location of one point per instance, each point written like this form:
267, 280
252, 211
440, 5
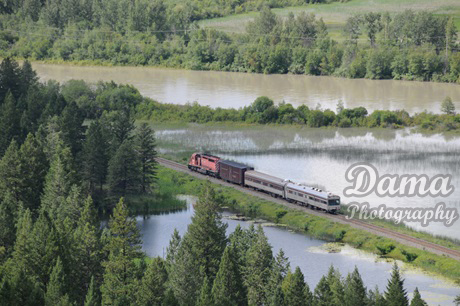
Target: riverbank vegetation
405, 45
323, 228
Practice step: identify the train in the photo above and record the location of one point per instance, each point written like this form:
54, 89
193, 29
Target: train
246, 176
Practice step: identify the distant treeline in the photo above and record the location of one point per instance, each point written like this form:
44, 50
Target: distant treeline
263, 110
407, 45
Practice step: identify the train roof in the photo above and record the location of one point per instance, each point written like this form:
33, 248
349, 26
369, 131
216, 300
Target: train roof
311, 190
266, 177
234, 164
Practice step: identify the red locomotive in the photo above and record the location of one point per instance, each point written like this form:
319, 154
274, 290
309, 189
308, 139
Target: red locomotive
204, 163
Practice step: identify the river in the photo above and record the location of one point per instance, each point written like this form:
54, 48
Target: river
302, 251
229, 89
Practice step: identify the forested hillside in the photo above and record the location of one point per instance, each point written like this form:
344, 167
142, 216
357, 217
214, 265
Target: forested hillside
405, 45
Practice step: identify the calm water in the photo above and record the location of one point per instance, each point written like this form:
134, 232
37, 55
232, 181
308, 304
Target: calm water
226, 89
304, 252
321, 157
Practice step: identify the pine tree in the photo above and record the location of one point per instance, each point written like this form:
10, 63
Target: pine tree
9, 79
92, 297
172, 250
122, 127
71, 127
124, 246
257, 272
334, 280
9, 122
147, 153
11, 179
375, 298
396, 295
8, 217
228, 286
205, 297
153, 285
55, 290
86, 250
200, 250
355, 292
296, 291
33, 167
417, 299
56, 189
95, 156
323, 293
274, 291
124, 170
27, 75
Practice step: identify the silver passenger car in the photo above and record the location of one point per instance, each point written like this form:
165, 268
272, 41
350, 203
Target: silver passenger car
311, 196
261, 181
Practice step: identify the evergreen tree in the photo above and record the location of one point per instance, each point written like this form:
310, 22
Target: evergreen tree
71, 127
27, 75
122, 127
147, 154
274, 291
124, 246
200, 250
295, 289
55, 290
11, 179
124, 170
205, 297
172, 250
228, 286
8, 217
323, 293
396, 295
9, 79
417, 299
33, 167
334, 280
375, 298
257, 272
92, 297
86, 251
153, 285
9, 122
355, 292
95, 156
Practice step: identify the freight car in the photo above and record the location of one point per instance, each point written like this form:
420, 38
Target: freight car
246, 176
232, 172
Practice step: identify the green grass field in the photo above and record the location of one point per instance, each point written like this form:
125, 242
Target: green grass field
335, 14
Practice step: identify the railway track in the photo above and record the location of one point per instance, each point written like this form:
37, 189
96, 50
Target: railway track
374, 229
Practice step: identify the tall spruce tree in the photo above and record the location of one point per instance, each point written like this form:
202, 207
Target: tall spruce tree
8, 217
395, 294
153, 285
257, 272
9, 79
417, 299
56, 290
122, 126
376, 298
10, 178
33, 167
200, 250
9, 122
95, 156
71, 127
145, 139
124, 170
296, 291
228, 288
172, 249
124, 247
28, 77
92, 297
323, 293
334, 279
205, 297
355, 292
